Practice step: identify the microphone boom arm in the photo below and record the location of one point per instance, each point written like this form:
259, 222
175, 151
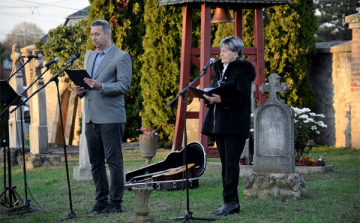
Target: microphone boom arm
7, 80
53, 78
23, 93
202, 73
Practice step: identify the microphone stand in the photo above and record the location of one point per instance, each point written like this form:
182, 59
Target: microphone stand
56, 80
188, 215
18, 69
5, 143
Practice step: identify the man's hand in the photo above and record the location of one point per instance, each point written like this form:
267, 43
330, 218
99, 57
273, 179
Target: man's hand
94, 84
79, 90
214, 98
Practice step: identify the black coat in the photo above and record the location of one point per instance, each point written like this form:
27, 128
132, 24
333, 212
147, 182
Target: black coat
232, 115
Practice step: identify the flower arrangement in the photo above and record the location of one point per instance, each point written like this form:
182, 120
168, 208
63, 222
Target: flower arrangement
147, 131
306, 162
307, 125
310, 162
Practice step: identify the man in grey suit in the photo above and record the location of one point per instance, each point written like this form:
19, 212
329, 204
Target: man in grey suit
110, 69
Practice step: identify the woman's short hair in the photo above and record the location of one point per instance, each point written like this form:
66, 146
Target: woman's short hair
105, 25
234, 43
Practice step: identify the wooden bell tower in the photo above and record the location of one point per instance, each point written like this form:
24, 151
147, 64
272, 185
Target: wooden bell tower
189, 55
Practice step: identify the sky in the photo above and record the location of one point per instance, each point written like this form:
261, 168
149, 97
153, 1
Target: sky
46, 14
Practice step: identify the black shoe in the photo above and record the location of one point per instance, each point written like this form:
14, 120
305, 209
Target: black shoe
98, 207
111, 208
228, 209
217, 210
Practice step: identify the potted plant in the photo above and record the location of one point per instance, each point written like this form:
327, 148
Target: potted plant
148, 142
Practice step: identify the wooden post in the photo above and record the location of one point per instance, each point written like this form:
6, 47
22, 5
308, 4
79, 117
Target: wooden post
238, 24
205, 46
184, 74
260, 56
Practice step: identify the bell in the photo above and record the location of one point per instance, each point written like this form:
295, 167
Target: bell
222, 15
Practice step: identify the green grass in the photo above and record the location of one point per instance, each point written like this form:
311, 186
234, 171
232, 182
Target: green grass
331, 197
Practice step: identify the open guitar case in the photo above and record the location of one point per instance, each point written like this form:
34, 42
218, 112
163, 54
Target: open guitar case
196, 154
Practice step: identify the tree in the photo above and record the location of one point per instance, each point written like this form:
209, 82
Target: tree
127, 23
331, 15
161, 66
64, 42
23, 34
289, 44
223, 30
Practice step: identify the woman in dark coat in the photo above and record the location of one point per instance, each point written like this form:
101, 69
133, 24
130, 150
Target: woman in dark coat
228, 118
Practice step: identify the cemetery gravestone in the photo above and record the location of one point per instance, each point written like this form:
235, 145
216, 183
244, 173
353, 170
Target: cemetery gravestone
274, 160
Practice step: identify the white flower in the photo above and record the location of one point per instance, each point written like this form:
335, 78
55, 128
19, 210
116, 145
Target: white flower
251, 130
312, 114
306, 110
317, 132
306, 121
304, 116
252, 115
311, 120
295, 121
313, 127
321, 123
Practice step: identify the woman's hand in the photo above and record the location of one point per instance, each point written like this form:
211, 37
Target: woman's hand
214, 98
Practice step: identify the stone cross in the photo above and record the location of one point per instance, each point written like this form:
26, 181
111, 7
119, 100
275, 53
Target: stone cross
83, 171
274, 131
16, 82
248, 151
274, 87
38, 130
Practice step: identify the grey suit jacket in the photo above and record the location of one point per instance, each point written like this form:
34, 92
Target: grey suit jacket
114, 72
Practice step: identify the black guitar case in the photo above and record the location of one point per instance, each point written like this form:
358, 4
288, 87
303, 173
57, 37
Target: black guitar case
196, 154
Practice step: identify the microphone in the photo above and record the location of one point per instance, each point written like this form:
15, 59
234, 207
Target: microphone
211, 61
76, 55
34, 56
55, 60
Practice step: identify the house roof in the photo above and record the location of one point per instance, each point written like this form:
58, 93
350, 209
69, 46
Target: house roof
77, 15
225, 2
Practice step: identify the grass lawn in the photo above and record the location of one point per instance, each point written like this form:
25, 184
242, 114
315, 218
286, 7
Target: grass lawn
331, 197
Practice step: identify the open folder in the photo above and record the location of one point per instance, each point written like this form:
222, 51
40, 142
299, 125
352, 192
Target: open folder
77, 76
223, 91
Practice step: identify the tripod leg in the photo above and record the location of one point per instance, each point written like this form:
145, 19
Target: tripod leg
4, 200
17, 197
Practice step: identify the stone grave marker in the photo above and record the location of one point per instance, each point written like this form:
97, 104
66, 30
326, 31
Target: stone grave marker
274, 160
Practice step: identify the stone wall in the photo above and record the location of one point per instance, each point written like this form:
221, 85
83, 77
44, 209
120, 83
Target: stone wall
330, 78
354, 25
335, 77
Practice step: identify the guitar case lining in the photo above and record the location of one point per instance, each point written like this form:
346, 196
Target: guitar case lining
195, 153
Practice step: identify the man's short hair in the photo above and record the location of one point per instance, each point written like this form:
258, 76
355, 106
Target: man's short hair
105, 25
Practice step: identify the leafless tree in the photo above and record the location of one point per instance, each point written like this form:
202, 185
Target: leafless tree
23, 34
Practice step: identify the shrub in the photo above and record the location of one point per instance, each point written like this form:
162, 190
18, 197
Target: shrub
307, 126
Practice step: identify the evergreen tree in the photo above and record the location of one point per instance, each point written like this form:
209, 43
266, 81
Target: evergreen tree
331, 16
64, 42
161, 67
127, 22
222, 30
289, 44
